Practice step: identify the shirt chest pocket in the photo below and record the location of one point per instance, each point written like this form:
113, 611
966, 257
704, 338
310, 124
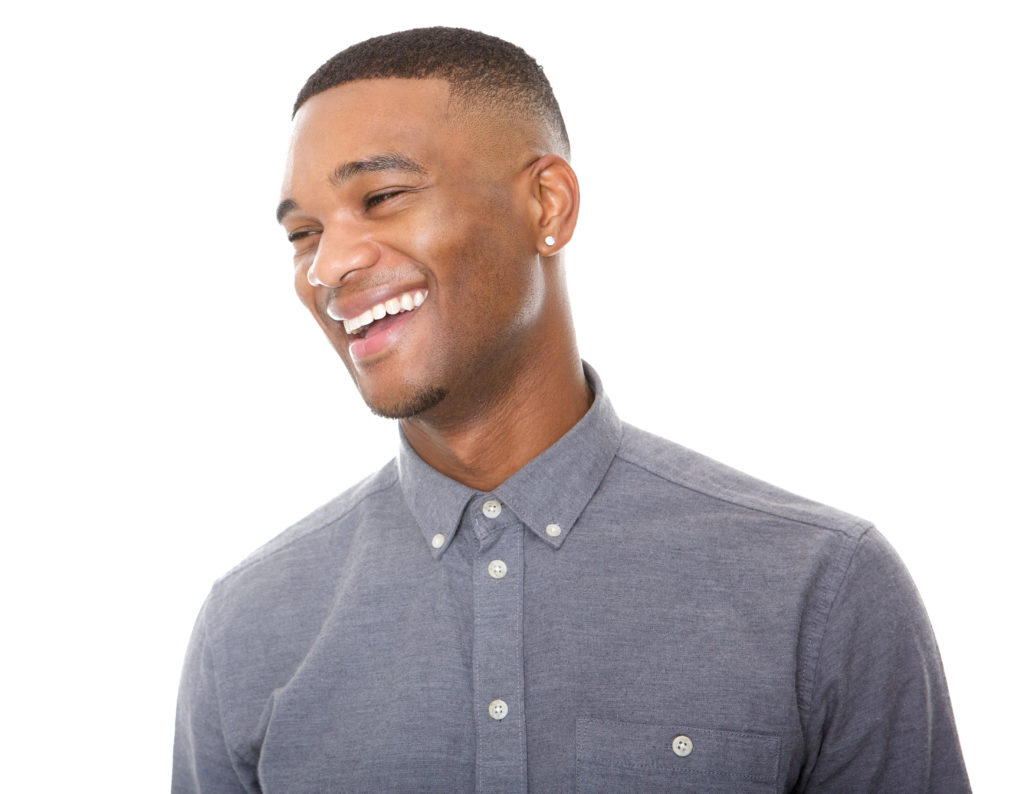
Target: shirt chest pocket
632, 757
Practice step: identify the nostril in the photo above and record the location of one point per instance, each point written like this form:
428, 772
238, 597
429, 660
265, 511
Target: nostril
311, 277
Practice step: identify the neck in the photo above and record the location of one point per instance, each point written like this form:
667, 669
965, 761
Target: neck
483, 448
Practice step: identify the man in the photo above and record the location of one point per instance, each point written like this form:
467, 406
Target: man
533, 595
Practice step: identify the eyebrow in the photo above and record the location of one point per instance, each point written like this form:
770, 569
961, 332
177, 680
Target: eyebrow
285, 207
392, 161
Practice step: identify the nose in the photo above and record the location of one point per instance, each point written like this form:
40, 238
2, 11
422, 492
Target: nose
340, 252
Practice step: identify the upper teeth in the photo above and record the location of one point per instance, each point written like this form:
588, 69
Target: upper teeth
405, 302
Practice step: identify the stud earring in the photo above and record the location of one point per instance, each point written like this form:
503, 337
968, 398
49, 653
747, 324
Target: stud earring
549, 240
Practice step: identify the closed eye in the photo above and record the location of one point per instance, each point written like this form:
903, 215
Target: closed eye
380, 198
299, 234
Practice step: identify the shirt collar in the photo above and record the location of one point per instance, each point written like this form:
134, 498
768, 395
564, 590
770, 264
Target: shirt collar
551, 490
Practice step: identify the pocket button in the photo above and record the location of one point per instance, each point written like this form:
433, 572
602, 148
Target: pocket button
682, 745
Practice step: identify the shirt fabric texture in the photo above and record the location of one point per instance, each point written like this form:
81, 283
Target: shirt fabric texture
621, 615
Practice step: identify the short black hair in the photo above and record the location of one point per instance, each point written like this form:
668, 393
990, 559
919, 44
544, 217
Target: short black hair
481, 68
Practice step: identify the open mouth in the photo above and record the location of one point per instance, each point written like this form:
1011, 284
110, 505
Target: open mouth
378, 317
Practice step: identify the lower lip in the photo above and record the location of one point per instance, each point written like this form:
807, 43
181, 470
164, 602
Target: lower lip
378, 339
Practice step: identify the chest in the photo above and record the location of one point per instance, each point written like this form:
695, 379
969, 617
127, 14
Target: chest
508, 665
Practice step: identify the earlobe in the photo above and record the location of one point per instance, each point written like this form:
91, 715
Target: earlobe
557, 198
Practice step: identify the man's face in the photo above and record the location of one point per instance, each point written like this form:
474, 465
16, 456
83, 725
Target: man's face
414, 248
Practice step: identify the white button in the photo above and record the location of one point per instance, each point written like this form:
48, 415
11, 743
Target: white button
497, 569
682, 745
437, 541
553, 530
492, 508
498, 709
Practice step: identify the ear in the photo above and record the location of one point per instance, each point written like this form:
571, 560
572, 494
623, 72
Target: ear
556, 193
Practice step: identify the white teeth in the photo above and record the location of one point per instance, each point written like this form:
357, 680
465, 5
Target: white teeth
405, 302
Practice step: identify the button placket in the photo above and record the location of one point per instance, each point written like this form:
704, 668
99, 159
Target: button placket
498, 650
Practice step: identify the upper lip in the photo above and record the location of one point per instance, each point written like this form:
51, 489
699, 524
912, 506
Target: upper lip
350, 307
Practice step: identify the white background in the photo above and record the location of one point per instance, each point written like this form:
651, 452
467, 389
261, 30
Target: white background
799, 252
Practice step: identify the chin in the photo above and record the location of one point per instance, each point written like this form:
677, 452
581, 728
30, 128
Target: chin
411, 405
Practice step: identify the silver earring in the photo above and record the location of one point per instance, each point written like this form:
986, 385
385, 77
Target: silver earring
549, 240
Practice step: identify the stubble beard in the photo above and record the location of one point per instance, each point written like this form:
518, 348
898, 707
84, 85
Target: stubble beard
414, 405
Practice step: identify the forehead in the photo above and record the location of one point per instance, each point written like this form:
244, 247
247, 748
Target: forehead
366, 117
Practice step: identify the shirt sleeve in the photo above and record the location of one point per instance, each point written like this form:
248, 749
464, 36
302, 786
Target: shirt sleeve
880, 718
203, 764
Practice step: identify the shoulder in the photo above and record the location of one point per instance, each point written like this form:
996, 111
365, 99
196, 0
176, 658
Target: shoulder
845, 585
732, 493
689, 504
293, 559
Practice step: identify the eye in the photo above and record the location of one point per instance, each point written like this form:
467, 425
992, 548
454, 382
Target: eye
380, 198
298, 234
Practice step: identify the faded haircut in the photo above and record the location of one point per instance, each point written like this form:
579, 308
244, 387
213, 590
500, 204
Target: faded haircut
484, 71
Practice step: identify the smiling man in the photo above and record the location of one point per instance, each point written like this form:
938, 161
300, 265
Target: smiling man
425, 241
532, 595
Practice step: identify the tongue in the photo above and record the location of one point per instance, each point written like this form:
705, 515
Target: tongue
379, 325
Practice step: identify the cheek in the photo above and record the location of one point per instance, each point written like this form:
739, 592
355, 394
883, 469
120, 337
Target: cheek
308, 299
499, 285
303, 289
300, 284
488, 238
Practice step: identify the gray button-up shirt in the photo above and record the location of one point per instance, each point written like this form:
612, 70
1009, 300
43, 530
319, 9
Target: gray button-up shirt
620, 615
